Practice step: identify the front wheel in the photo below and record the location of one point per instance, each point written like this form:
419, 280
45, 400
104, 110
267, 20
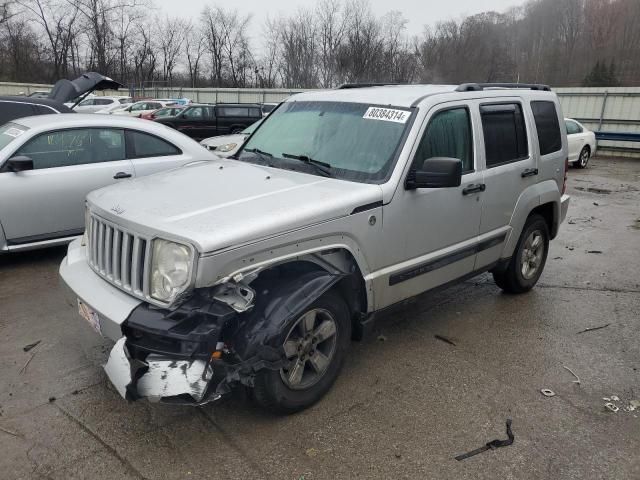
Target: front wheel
315, 344
528, 260
585, 155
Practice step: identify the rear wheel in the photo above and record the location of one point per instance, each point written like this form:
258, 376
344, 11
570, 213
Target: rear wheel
583, 160
528, 261
315, 344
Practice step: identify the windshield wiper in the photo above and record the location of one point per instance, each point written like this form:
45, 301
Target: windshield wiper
262, 153
321, 167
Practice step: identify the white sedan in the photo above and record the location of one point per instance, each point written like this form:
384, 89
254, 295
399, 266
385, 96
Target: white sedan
49, 163
139, 108
582, 143
94, 104
226, 145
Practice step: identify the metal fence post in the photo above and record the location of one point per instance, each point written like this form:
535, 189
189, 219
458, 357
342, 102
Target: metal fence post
604, 105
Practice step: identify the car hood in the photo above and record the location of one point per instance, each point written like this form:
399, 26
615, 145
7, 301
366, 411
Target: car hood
226, 203
224, 139
66, 90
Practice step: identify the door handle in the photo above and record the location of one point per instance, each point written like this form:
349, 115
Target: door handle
529, 172
121, 175
480, 187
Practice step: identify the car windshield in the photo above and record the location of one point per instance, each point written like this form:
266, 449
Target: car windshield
9, 132
354, 141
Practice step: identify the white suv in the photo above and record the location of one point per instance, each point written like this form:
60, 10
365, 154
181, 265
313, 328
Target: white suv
260, 269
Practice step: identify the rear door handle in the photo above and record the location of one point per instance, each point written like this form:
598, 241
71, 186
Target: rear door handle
529, 172
480, 187
121, 175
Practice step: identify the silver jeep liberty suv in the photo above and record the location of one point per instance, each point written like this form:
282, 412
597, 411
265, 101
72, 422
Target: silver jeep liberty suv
258, 270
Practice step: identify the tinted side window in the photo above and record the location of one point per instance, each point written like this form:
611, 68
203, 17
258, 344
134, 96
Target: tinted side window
447, 135
102, 101
233, 112
255, 112
548, 127
75, 147
144, 145
505, 133
11, 111
195, 113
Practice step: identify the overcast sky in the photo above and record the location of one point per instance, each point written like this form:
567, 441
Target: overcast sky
418, 12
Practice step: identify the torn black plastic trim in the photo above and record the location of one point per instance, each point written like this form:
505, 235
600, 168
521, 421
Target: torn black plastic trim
159, 342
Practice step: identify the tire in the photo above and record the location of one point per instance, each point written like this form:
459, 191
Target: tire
518, 277
272, 389
583, 159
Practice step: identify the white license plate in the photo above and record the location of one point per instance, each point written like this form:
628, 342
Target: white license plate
90, 316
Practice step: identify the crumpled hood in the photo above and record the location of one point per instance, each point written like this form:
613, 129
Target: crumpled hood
225, 203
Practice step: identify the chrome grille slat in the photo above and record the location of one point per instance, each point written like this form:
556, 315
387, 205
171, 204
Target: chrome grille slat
120, 257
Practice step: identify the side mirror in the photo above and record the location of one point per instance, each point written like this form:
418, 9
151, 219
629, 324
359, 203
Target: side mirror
437, 172
20, 163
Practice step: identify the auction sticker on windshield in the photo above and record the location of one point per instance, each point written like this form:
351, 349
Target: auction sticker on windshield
387, 114
13, 132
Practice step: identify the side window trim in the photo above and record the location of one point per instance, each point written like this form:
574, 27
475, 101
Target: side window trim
472, 132
130, 146
489, 108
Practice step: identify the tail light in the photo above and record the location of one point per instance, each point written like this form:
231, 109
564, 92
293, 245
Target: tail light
566, 172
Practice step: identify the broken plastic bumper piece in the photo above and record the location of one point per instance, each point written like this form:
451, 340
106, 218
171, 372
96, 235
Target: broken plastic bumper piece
159, 378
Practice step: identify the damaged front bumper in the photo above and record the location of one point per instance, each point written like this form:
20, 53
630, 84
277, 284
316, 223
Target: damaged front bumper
195, 353
159, 378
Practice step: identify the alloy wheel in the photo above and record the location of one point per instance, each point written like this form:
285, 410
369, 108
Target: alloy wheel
310, 347
532, 254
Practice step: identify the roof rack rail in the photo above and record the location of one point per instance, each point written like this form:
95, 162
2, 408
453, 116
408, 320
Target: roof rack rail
347, 86
477, 87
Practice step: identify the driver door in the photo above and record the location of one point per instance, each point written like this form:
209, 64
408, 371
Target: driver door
434, 231
48, 201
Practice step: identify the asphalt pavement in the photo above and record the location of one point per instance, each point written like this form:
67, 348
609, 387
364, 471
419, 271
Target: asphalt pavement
406, 402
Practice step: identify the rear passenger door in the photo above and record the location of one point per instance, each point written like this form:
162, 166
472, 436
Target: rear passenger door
510, 167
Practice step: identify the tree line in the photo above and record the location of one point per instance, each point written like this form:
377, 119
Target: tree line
559, 42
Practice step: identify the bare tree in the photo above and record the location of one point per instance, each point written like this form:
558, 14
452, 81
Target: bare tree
58, 22
195, 47
171, 36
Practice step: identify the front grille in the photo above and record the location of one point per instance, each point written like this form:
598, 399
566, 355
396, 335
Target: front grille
122, 258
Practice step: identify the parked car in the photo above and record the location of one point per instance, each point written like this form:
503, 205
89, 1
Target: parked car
176, 101
95, 104
203, 121
258, 270
140, 108
267, 108
582, 143
12, 107
49, 163
171, 111
113, 108
39, 94
227, 145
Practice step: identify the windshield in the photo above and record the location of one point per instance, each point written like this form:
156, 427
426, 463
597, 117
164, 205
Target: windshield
9, 132
356, 141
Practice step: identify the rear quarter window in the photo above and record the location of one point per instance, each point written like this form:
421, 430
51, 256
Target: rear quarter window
548, 126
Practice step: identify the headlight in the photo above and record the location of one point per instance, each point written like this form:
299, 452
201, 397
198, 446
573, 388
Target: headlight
227, 147
87, 219
170, 269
